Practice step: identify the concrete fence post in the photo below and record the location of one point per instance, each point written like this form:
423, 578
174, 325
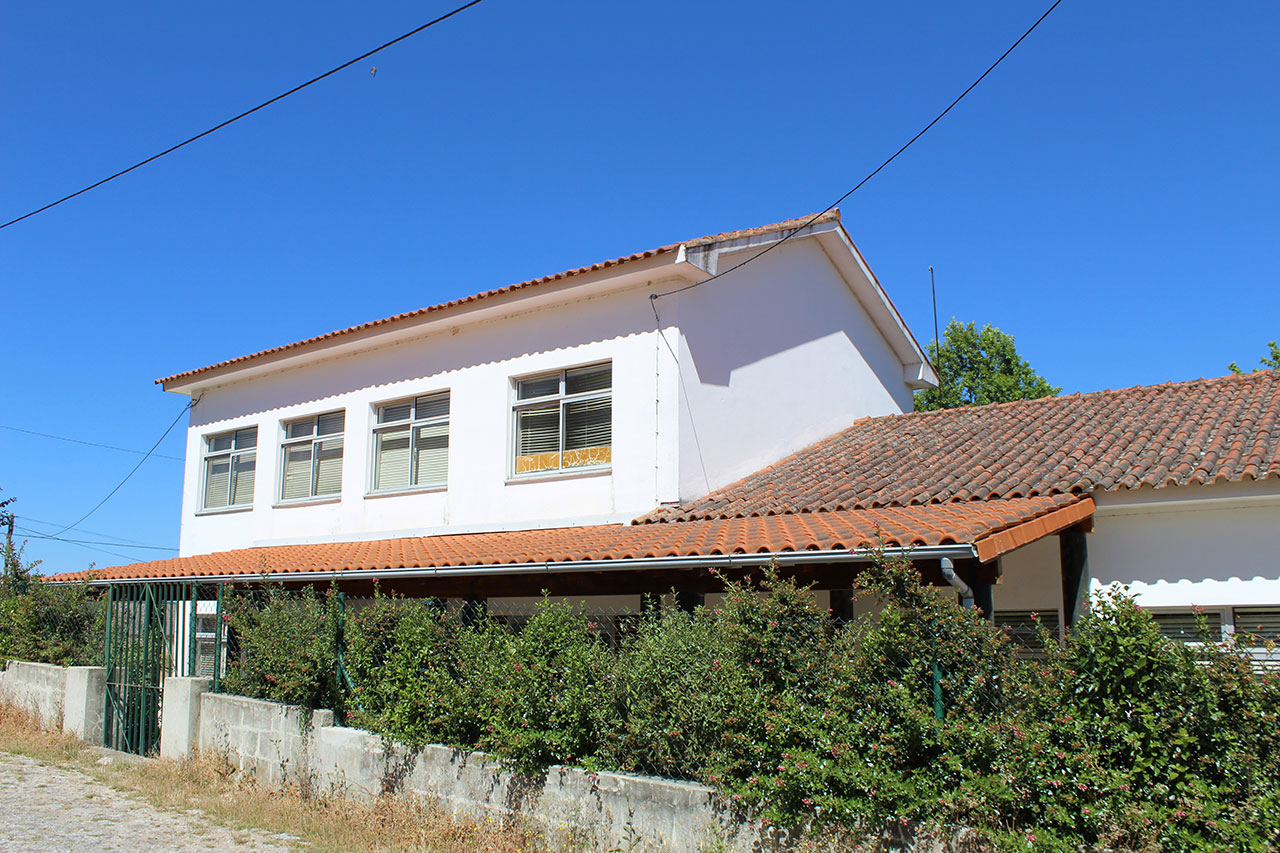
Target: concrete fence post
86, 695
180, 716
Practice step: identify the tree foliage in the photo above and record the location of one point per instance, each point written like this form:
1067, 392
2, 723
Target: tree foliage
1267, 362
976, 367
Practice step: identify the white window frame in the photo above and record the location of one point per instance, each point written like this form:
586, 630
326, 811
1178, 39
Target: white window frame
314, 439
413, 422
233, 454
562, 400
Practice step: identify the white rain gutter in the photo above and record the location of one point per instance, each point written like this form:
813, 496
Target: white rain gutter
783, 558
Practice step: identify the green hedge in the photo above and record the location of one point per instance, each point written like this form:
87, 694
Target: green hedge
1117, 739
39, 622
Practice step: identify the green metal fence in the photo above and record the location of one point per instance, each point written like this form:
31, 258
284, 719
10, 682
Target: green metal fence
154, 630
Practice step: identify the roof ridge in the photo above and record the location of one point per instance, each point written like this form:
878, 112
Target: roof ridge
1050, 399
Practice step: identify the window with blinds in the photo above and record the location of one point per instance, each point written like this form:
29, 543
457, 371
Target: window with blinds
411, 443
230, 460
1256, 626
312, 457
564, 420
1184, 625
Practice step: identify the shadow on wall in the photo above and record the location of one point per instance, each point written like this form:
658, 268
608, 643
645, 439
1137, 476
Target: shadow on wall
785, 300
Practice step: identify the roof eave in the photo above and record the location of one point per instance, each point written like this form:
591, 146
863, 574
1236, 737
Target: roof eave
781, 558
671, 266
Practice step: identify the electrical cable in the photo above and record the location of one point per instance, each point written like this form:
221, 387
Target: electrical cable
98, 506
89, 443
262, 105
31, 534
858, 186
119, 540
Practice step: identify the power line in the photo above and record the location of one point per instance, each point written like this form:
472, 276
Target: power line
88, 443
118, 540
262, 105
130, 557
31, 534
858, 186
134, 471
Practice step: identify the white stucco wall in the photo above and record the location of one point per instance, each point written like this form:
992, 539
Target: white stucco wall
1209, 546
476, 363
775, 356
1195, 545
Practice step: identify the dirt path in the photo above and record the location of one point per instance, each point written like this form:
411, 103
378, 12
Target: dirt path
48, 808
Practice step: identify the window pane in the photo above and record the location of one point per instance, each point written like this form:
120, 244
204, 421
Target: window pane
584, 379
219, 443
588, 432
297, 472
538, 387
329, 467
431, 454
391, 460
395, 412
332, 423
433, 406
246, 439
243, 469
537, 439
300, 429
217, 481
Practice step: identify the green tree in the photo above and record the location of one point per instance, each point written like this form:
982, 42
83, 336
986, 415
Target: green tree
979, 367
1271, 362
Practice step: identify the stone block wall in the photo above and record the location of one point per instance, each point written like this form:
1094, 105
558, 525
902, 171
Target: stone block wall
279, 744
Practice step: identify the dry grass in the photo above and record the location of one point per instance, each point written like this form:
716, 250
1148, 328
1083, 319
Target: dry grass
391, 824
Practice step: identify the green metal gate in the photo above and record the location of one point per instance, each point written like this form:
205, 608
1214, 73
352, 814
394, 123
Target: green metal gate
155, 630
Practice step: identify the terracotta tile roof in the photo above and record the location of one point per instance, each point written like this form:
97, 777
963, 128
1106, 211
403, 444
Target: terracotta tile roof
829, 216
975, 523
1199, 432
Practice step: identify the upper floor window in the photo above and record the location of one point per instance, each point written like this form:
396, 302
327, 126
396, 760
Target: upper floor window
564, 420
411, 443
229, 462
312, 453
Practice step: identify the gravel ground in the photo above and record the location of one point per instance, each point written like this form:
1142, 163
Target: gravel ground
47, 808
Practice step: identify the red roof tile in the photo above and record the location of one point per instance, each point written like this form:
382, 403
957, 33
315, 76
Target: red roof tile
973, 523
1199, 432
829, 216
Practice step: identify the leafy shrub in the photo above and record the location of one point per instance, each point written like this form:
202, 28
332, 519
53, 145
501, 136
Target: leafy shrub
44, 623
1117, 739
287, 647
675, 684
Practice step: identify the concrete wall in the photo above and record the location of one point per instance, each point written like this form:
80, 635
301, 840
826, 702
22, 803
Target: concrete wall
276, 744
38, 688
67, 698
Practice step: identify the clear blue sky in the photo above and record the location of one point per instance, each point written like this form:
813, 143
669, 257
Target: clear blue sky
1108, 195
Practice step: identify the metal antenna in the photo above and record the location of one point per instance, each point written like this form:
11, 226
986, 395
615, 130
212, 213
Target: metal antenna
937, 341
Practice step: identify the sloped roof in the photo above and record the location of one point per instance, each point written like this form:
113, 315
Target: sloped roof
1198, 432
829, 216
994, 527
